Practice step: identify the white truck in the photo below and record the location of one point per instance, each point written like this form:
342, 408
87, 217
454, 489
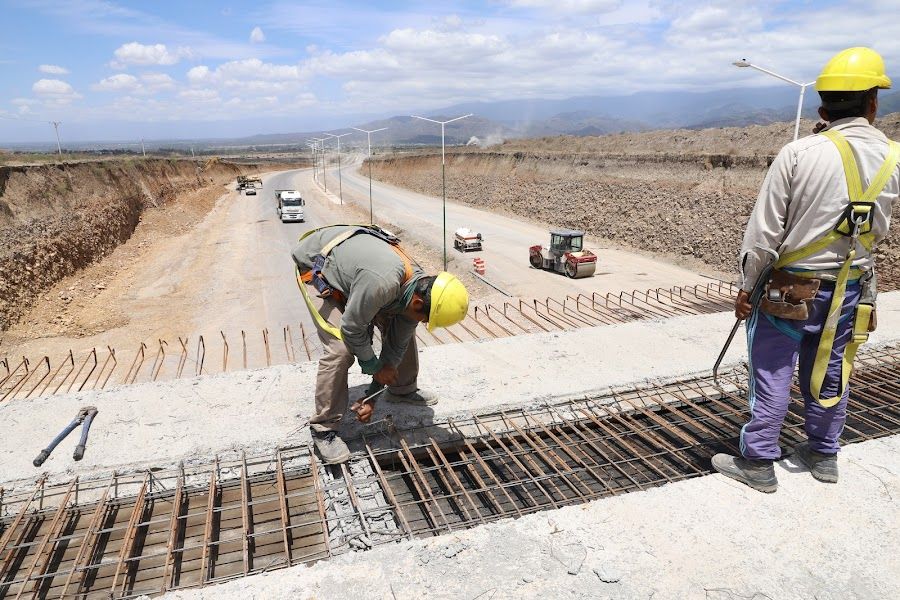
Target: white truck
290, 206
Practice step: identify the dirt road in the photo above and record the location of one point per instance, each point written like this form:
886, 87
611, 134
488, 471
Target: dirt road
506, 242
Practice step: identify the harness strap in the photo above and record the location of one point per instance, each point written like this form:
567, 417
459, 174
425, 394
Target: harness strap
304, 278
860, 207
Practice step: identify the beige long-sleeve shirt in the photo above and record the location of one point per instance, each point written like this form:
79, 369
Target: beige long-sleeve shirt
804, 195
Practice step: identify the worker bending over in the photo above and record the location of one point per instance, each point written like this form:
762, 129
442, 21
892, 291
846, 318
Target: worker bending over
355, 278
824, 204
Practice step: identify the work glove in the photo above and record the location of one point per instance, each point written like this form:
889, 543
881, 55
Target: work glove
371, 366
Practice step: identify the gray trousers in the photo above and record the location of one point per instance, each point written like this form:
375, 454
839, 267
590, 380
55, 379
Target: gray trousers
332, 394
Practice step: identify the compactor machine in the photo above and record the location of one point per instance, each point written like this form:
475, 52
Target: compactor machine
565, 254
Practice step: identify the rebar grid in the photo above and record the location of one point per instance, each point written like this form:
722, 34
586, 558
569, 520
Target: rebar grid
150, 532
520, 461
190, 357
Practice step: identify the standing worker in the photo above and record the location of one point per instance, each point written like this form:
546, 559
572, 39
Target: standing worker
354, 278
824, 204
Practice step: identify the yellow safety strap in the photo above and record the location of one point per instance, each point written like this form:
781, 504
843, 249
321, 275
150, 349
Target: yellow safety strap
320, 320
866, 240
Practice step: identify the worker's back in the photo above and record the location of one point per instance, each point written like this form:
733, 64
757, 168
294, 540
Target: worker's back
810, 175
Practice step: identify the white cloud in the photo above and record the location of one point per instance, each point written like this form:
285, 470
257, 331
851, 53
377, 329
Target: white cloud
257, 36
247, 69
157, 82
203, 95
134, 53
121, 82
53, 70
53, 88
569, 6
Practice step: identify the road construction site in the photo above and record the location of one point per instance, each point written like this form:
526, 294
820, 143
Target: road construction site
568, 456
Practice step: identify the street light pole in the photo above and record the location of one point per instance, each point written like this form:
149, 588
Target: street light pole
369, 140
324, 166
312, 147
56, 125
340, 177
743, 63
443, 176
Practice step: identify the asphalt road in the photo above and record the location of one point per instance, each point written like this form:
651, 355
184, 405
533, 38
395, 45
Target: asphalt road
506, 242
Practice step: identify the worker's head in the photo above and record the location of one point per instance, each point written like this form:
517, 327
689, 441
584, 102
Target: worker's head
440, 301
849, 82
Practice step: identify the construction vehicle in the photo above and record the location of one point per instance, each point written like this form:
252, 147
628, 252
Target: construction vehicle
566, 254
246, 182
464, 239
290, 205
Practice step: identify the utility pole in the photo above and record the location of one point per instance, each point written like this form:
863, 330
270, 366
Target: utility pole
443, 177
369, 140
144, 152
340, 177
56, 125
324, 165
312, 147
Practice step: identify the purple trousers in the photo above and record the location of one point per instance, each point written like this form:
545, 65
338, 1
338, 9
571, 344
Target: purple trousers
775, 346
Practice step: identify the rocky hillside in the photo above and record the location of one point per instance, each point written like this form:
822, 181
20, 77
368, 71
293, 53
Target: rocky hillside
57, 219
677, 193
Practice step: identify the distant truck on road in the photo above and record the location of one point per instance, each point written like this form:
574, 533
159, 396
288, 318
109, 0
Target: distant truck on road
464, 239
290, 206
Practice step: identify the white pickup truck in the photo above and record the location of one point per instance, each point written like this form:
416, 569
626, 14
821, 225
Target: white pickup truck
290, 206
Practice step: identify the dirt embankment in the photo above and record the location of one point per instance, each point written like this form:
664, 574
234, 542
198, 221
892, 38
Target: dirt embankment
58, 219
681, 194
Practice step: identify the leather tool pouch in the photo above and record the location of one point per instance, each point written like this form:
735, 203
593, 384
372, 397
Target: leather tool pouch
788, 296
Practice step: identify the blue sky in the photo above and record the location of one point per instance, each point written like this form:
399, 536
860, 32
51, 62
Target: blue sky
119, 70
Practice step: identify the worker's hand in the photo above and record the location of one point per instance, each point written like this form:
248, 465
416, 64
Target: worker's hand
820, 126
742, 306
364, 412
387, 375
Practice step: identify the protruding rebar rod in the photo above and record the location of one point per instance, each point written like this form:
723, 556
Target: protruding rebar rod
244, 347
305, 342
224, 351
265, 334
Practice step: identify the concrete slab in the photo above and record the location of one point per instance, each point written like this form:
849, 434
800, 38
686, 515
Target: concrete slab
159, 424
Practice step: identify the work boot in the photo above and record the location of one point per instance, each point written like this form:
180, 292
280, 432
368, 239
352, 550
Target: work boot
822, 466
331, 447
758, 474
417, 398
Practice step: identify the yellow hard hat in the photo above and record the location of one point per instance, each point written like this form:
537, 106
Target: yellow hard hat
449, 301
853, 70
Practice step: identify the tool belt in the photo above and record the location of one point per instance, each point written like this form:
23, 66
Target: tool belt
787, 296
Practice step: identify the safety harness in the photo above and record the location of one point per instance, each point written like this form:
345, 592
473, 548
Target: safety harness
855, 223
325, 289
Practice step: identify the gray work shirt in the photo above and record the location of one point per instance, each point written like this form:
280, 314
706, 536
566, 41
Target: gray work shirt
370, 274
804, 195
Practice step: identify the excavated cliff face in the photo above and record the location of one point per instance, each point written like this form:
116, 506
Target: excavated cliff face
677, 193
57, 219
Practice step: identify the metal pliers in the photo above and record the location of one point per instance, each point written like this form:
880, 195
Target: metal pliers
84, 418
